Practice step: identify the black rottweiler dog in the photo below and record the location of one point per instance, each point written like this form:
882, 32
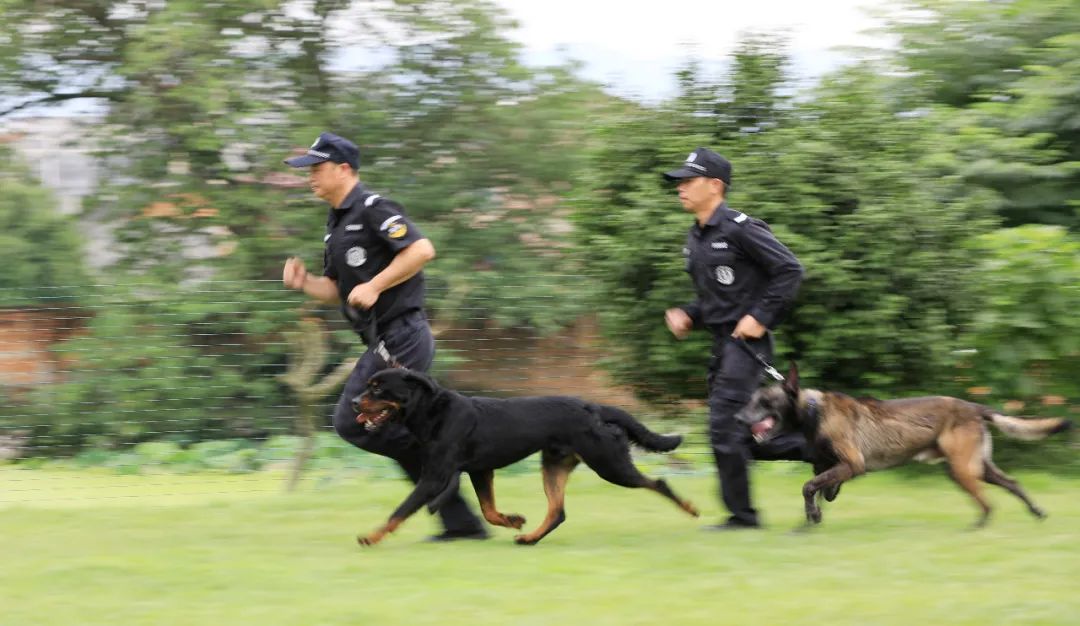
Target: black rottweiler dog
479, 435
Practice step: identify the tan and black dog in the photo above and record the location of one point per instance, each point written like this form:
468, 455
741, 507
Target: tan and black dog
857, 435
479, 435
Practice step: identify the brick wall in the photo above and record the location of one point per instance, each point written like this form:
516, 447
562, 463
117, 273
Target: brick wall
25, 338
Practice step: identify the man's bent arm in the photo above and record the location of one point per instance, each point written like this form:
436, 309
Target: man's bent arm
405, 265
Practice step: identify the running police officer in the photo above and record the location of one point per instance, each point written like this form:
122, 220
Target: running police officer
372, 266
744, 279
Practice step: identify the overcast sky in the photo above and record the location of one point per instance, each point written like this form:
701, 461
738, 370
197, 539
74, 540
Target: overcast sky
635, 45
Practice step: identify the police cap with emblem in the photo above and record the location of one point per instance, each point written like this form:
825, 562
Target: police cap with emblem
703, 162
329, 147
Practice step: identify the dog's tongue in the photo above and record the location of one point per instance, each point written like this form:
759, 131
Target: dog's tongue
763, 427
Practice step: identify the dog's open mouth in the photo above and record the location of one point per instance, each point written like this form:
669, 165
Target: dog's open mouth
763, 430
374, 414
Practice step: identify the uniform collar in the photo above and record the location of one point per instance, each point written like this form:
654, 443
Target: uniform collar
351, 197
717, 214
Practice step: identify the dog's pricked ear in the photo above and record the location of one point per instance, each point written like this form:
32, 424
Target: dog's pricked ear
425, 381
791, 383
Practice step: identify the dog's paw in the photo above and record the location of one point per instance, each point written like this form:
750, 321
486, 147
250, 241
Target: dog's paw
813, 516
369, 540
525, 540
514, 521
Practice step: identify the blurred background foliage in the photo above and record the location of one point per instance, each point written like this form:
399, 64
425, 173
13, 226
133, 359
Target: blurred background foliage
931, 190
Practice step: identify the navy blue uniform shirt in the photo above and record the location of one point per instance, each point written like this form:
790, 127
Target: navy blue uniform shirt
363, 236
738, 267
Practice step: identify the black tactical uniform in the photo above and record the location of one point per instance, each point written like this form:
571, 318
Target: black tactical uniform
738, 268
362, 238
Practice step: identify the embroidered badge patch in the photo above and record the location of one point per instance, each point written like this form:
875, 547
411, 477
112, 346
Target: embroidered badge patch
725, 275
394, 227
356, 256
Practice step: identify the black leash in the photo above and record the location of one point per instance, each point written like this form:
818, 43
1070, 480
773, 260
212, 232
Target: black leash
760, 358
371, 335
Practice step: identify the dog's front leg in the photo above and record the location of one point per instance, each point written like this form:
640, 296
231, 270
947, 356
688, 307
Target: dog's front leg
447, 493
427, 488
832, 476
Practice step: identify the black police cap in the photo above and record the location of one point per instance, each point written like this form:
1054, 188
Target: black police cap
703, 162
329, 147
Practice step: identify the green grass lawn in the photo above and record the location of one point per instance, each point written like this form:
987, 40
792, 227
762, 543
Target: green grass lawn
90, 547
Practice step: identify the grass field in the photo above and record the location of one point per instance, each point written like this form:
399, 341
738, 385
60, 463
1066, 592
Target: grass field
82, 548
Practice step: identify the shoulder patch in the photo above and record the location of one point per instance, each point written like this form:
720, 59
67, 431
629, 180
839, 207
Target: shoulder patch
389, 222
372, 199
394, 227
739, 217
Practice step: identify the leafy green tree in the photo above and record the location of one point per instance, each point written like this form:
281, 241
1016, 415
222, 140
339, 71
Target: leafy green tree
1012, 66
962, 51
1026, 336
752, 101
127, 52
878, 216
41, 251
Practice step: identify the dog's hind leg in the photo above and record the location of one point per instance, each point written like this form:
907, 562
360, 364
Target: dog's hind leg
962, 447
556, 471
993, 475
484, 484
614, 465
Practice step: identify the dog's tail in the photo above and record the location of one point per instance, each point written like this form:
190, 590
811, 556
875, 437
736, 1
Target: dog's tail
637, 432
1030, 429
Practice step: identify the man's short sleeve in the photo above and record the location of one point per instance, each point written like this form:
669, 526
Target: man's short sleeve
387, 220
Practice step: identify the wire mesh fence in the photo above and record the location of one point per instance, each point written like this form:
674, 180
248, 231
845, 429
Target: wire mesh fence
141, 380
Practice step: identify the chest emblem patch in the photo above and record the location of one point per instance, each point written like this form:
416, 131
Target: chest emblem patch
725, 275
356, 256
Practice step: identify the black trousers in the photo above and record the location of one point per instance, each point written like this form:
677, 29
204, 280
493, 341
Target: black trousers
409, 339
733, 377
